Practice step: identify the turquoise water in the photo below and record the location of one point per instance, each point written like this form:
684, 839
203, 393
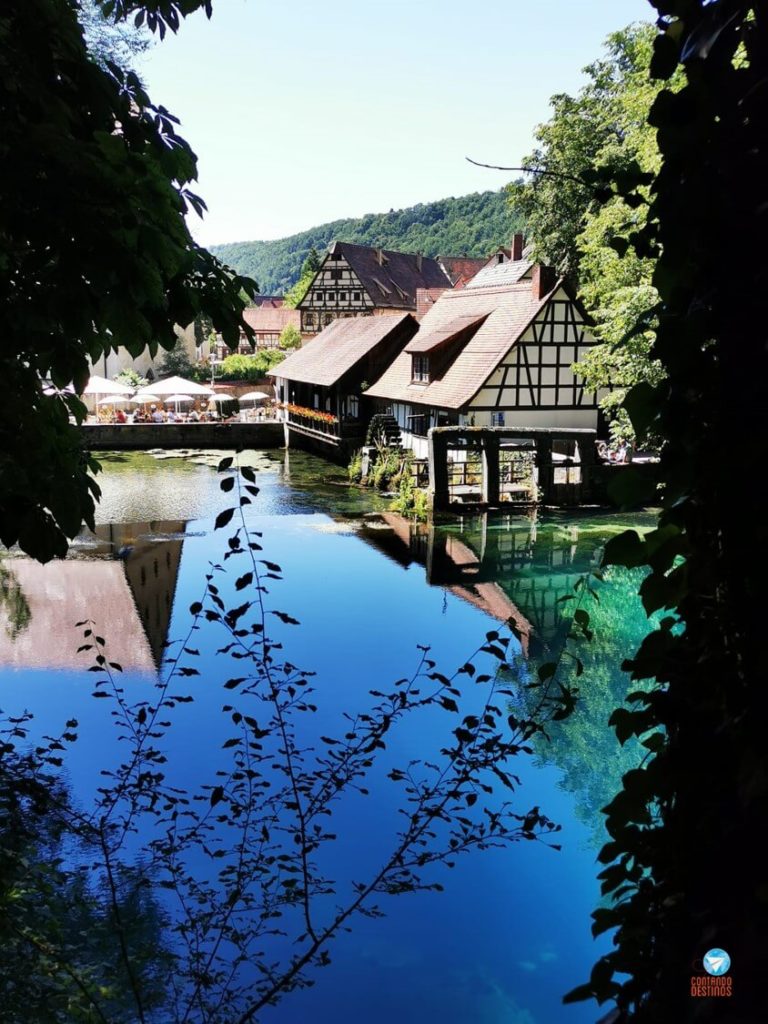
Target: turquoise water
511, 933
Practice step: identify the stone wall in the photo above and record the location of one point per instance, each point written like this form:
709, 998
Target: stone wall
144, 436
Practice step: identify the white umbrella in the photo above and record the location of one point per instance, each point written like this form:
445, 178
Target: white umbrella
101, 386
222, 398
174, 386
177, 399
144, 399
254, 396
114, 400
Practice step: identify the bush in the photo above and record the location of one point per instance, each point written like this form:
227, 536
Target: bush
355, 468
411, 501
131, 378
249, 368
290, 337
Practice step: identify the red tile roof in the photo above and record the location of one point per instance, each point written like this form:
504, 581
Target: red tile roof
392, 283
496, 274
265, 319
461, 269
433, 336
426, 298
333, 352
508, 311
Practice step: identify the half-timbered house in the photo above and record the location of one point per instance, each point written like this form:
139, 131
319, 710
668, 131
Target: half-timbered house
357, 280
499, 352
321, 386
268, 322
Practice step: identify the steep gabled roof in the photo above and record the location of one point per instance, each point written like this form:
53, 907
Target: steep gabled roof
333, 352
391, 278
507, 312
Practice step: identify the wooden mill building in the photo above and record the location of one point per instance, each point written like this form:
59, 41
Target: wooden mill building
322, 385
498, 352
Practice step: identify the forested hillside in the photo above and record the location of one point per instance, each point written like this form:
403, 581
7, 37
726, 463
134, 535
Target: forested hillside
471, 225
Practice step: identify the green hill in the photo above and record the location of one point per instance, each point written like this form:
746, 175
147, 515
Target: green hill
471, 225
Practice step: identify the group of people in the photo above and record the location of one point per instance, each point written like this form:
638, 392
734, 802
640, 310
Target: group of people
158, 414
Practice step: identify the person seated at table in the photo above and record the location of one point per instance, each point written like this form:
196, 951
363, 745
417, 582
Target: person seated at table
156, 415
171, 416
194, 416
119, 416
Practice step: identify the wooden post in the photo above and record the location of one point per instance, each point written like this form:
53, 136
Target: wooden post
438, 471
491, 474
546, 469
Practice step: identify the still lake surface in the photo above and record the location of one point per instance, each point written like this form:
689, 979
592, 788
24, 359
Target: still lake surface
511, 933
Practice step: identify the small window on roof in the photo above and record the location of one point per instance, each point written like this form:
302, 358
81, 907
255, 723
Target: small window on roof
356, 296
420, 369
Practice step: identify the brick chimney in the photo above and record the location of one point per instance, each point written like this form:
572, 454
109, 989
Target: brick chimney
518, 243
543, 280
419, 261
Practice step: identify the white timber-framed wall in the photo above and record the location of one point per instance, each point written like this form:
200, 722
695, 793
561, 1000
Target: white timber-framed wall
335, 292
534, 385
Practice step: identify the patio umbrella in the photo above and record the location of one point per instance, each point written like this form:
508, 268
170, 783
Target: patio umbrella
114, 400
101, 386
144, 399
174, 386
177, 399
218, 397
254, 396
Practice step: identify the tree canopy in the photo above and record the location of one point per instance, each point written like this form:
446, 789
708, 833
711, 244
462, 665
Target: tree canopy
474, 225
94, 249
579, 224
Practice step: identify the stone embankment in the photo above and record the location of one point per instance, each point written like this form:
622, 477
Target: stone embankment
146, 436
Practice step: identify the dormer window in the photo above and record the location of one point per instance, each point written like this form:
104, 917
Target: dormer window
420, 369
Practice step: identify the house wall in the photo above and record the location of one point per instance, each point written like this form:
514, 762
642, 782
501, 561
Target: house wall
535, 384
111, 364
335, 292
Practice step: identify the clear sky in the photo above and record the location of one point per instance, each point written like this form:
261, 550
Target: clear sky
302, 112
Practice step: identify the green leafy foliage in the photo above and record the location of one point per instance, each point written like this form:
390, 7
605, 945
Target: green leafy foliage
94, 251
176, 362
471, 225
582, 216
309, 268
683, 869
249, 368
290, 337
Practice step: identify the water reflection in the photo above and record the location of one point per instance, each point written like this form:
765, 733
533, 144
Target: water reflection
126, 573
506, 567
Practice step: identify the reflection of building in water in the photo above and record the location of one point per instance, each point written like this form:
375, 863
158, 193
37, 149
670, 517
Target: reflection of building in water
450, 564
151, 569
508, 568
127, 590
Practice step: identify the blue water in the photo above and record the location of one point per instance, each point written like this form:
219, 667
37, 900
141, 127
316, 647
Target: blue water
511, 933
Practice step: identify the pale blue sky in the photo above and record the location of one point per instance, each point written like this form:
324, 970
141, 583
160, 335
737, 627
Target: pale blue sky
303, 112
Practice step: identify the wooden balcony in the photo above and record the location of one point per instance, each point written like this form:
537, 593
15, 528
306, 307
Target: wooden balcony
329, 430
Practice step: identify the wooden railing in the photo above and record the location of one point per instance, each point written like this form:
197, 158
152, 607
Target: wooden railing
324, 424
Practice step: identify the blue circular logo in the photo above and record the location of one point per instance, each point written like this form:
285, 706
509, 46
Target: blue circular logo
717, 962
